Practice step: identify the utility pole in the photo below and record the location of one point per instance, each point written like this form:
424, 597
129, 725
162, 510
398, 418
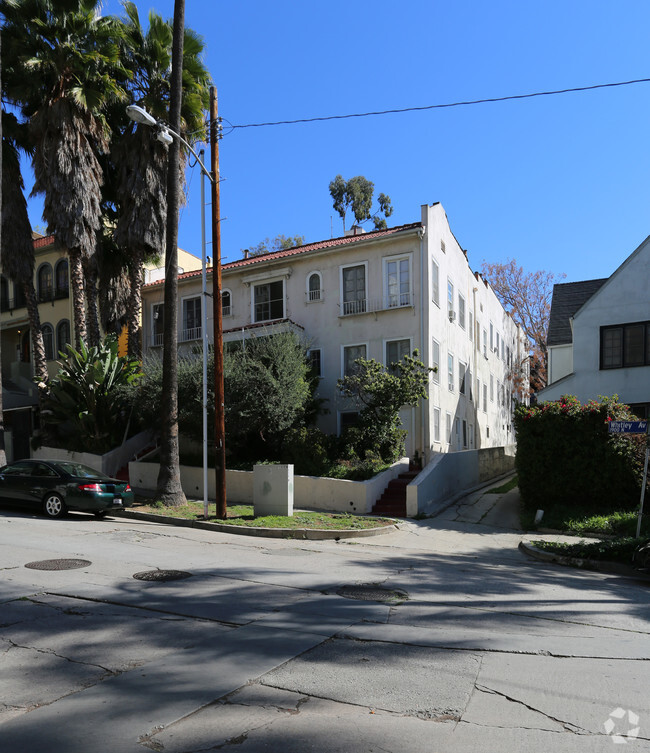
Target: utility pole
220, 425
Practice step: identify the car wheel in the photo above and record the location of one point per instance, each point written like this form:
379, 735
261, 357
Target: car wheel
100, 514
54, 506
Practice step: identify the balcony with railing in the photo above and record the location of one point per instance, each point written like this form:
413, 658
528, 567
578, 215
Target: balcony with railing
373, 305
192, 333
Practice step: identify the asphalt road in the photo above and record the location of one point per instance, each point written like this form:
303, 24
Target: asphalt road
472, 647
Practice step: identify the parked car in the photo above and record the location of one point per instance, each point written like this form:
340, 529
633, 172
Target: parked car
56, 486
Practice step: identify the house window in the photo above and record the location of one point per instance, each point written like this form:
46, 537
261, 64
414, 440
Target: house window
398, 282
315, 362
497, 345
268, 300
62, 335
48, 341
45, 282
347, 419
435, 358
314, 287
491, 337
350, 354
625, 345
464, 433
491, 388
436, 424
226, 303
484, 343
484, 397
461, 311
395, 351
62, 280
191, 319
470, 329
354, 289
450, 372
462, 373
471, 436
435, 282
157, 323
443, 247
448, 426
450, 299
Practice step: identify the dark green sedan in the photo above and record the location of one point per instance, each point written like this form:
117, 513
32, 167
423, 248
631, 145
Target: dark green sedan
56, 486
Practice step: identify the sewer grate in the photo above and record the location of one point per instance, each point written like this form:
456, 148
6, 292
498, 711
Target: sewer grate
162, 575
372, 593
62, 564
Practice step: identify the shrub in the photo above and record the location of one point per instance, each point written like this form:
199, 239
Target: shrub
565, 456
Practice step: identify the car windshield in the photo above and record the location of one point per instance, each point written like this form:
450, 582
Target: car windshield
79, 470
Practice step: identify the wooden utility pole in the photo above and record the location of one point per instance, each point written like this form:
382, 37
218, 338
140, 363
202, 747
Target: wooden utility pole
220, 425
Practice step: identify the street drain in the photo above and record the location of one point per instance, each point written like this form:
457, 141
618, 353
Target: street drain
57, 564
373, 593
162, 575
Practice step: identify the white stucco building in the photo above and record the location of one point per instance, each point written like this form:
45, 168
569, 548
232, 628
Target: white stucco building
377, 295
599, 336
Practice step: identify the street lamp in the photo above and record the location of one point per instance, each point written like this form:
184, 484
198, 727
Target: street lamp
165, 135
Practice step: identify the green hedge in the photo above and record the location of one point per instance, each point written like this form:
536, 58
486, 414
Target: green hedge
565, 456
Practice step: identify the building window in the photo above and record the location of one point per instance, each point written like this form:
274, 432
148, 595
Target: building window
226, 303
435, 358
191, 319
461, 311
157, 323
470, 329
491, 337
354, 289
484, 397
436, 424
62, 335
314, 360
398, 282
435, 282
48, 341
314, 287
350, 354
471, 436
45, 291
443, 248
484, 343
62, 279
347, 419
464, 433
450, 300
448, 427
625, 345
496, 349
450, 372
268, 301
462, 373
491, 388
395, 351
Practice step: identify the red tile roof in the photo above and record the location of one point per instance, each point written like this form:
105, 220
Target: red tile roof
347, 240
46, 240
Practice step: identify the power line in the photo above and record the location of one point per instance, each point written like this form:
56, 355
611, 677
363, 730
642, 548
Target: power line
441, 106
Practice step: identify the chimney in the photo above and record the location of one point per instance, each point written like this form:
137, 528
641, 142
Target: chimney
245, 253
355, 230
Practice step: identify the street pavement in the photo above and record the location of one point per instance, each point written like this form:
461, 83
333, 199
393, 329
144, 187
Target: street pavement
465, 644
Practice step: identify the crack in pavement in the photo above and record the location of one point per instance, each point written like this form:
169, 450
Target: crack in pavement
50, 652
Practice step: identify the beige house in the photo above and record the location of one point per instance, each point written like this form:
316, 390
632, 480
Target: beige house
376, 295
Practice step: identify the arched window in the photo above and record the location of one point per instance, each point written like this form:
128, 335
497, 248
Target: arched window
226, 303
61, 279
45, 282
48, 341
314, 287
62, 335
4, 294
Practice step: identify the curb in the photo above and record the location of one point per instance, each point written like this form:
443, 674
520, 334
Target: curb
601, 566
312, 534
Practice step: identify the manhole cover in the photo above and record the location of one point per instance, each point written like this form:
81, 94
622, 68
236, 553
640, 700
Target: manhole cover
372, 593
58, 564
162, 575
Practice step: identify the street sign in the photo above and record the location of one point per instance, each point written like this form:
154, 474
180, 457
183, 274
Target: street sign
628, 427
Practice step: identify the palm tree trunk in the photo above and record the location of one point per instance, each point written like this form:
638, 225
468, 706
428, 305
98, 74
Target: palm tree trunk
169, 486
92, 311
3, 456
77, 291
135, 306
38, 347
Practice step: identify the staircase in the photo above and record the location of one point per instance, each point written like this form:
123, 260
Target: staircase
393, 501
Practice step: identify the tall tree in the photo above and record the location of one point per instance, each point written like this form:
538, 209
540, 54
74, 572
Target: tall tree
17, 243
67, 70
3, 456
526, 296
357, 194
140, 159
279, 243
169, 486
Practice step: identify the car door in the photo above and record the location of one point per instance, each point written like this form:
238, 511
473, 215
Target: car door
15, 482
43, 480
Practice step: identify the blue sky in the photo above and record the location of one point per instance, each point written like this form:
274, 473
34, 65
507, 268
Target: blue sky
560, 183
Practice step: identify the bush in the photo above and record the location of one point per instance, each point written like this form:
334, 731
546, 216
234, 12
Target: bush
565, 456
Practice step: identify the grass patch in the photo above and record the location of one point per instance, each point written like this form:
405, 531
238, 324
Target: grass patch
616, 550
584, 522
508, 486
242, 515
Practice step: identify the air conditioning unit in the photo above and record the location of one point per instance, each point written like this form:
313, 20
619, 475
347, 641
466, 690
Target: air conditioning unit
452, 315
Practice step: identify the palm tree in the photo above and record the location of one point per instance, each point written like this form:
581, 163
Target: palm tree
17, 244
67, 71
141, 161
3, 455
